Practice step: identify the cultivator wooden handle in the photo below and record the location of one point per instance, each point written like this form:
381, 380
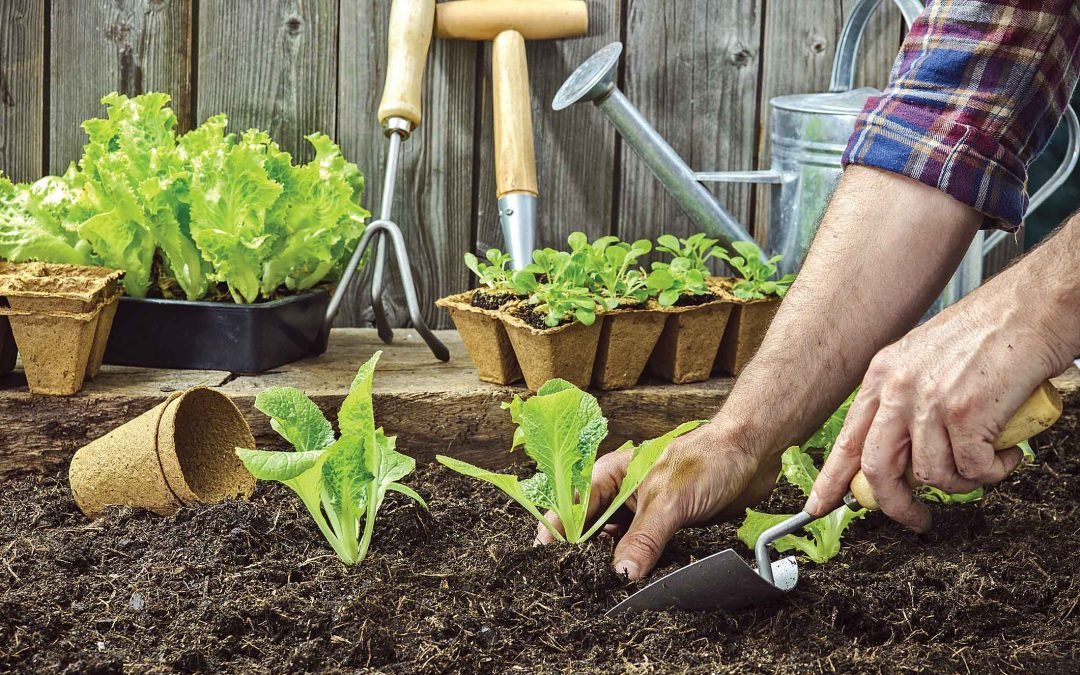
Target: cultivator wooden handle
411, 23
1037, 414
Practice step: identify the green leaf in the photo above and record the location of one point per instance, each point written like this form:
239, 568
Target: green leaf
798, 468
278, 466
345, 476
296, 418
507, 483
637, 469
357, 415
824, 534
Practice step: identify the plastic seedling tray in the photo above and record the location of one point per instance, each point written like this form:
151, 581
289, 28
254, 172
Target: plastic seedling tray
237, 338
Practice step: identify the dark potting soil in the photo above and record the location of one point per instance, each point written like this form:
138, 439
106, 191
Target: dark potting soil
534, 318
695, 300
485, 300
250, 587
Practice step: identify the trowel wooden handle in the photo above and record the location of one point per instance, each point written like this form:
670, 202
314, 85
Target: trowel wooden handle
411, 23
1037, 414
515, 155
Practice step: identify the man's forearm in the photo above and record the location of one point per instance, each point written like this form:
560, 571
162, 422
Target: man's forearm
885, 249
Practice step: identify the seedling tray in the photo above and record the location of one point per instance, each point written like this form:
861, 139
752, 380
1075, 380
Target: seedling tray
237, 338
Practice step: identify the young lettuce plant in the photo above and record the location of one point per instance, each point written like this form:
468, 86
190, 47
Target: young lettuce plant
561, 428
612, 277
671, 281
557, 285
495, 275
822, 540
697, 248
342, 482
757, 277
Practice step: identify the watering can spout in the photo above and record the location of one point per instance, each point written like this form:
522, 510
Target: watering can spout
594, 81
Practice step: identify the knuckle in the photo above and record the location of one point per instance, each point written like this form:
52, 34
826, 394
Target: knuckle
956, 412
645, 542
872, 468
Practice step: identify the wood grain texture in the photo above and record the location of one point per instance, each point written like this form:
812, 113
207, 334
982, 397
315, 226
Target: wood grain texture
22, 93
432, 407
129, 46
270, 64
575, 148
696, 84
797, 57
433, 201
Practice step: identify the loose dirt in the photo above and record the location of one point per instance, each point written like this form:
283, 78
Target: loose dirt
250, 587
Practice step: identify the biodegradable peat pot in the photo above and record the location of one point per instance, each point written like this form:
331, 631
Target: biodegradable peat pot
182, 451
746, 328
484, 337
183, 334
627, 340
8, 351
55, 348
691, 337
567, 352
101, 336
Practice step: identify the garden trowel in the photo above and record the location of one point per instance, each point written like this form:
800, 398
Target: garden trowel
724, 580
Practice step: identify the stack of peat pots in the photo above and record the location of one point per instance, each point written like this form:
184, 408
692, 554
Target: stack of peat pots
59, 318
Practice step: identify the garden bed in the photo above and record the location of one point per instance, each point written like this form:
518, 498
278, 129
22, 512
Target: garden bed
252, 587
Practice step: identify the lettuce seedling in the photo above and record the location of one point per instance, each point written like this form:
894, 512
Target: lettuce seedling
557, 283
757, 277
671, 281
561, 428
697, 249
494, 275
822, 540
342, 481
612, 279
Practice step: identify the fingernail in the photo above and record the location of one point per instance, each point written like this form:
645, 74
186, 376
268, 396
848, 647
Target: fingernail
812, 503
627, 567
537, 542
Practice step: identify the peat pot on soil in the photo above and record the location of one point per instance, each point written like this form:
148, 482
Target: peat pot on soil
238, 338
182, 451
691, 337
60, 317
627, 339
746, 328
566, 352
484, 336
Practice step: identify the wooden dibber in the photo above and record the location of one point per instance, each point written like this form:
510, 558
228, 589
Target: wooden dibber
507, 24
1037, 414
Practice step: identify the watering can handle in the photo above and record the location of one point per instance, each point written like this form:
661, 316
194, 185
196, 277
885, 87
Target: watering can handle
847, 49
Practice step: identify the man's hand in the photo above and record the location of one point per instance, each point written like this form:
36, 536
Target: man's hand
703, 476
936, 400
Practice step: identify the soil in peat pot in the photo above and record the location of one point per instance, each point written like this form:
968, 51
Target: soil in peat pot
486, 300
694, 300
250, 587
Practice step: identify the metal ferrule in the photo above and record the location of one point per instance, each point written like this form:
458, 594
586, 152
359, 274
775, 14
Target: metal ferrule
517, 215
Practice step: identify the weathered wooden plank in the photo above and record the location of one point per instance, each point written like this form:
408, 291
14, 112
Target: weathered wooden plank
692, 69
432, 407
798, 52
575, 148
270, 64
40, 433
130, 46
22, 88
433, 199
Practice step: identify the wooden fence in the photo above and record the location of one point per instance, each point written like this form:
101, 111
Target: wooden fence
701, 70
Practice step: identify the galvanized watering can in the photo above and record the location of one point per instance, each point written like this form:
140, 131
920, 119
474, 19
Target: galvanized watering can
808, 132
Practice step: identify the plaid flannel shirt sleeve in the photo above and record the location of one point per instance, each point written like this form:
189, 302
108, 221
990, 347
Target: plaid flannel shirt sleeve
974, 95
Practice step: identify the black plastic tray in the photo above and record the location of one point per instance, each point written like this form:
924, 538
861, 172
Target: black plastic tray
217, 335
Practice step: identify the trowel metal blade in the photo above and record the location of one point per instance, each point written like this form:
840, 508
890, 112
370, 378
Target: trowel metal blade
720, 581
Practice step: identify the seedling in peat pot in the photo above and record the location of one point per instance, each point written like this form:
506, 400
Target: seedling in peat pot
612, 279
494, 275
561, 428
341, 482
557, 285
688, 271
757, 277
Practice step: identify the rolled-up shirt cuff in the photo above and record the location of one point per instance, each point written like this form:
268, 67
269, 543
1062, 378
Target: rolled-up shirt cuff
959, 159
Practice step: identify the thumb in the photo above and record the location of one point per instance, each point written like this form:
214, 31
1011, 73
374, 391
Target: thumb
640, 549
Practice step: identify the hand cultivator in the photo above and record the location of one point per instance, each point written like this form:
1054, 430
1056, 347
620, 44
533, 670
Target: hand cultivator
411, 23
724, 580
